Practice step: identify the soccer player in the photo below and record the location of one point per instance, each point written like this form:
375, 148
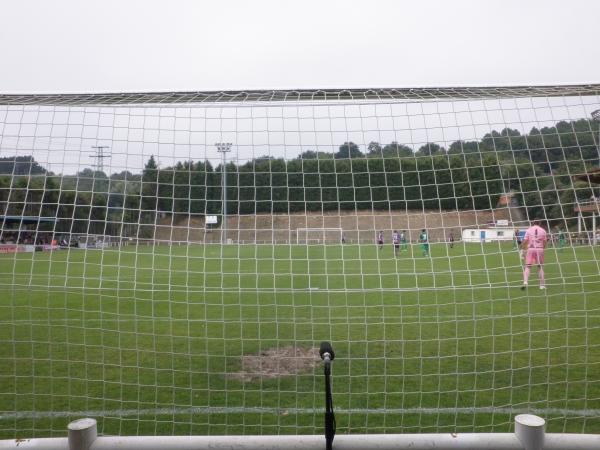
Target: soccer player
517, 240
534, 243
403, 244
424, 240
380, 240
518, 243
343, 238
562, 240
451, 239
396, 242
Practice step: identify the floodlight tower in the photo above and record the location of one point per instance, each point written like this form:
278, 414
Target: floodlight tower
99, 155
223, 148
596, 118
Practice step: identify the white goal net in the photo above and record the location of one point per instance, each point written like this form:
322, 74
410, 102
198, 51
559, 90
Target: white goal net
169, 262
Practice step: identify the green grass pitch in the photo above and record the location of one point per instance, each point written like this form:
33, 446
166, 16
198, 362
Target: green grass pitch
145, 339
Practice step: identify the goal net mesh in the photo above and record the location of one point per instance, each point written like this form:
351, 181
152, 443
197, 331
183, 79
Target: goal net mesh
163, 266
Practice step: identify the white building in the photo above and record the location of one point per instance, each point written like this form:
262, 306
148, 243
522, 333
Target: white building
488, 234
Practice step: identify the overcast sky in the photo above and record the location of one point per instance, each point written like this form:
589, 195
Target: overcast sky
64, 46
145, 45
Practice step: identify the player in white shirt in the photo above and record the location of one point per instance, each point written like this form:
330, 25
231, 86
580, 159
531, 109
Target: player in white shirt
396, 242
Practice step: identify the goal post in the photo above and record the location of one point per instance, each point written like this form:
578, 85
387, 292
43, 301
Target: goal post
529, 434
122, 302
319, 235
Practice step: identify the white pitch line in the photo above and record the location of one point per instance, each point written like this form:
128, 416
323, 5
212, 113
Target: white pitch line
443, 317
162, 288
474, 273
300, 411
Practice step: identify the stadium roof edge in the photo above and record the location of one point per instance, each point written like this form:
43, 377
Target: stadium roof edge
300, 95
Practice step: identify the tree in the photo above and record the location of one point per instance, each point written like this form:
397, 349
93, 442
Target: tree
311, 154
20, 165
149, 192
374, 149
430, 149
458, 147
391, 150
348, 150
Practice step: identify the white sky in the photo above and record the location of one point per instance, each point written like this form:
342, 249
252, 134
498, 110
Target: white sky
146, 45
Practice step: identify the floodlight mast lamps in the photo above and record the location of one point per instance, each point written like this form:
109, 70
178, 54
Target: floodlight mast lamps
223, 148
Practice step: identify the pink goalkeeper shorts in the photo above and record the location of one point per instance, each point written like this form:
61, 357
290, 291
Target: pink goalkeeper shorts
534, 256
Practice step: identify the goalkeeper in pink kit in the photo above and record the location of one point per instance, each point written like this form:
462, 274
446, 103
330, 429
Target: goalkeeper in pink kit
534, 243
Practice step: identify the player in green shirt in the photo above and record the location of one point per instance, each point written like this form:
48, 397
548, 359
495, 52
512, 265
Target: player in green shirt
424, 240
562, 240
403, 244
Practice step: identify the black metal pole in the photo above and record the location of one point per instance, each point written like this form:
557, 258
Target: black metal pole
327, 354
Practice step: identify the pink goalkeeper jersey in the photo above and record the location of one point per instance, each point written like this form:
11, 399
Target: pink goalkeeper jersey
535, 237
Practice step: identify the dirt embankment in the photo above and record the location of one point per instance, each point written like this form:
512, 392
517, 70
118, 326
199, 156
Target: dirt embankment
358, 226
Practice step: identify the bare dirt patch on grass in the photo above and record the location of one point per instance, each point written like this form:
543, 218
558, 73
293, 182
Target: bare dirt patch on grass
277, 362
